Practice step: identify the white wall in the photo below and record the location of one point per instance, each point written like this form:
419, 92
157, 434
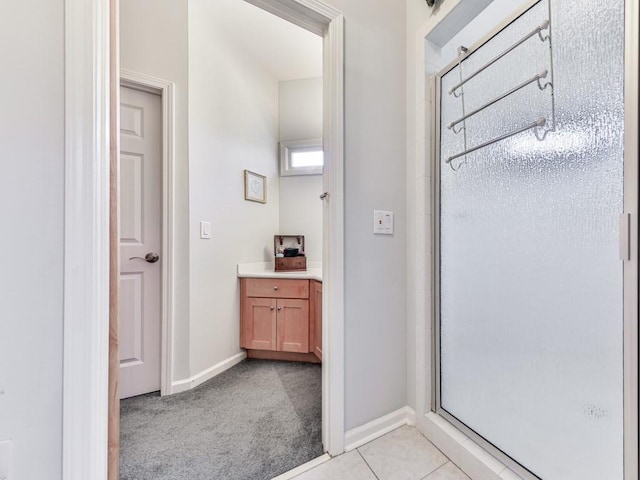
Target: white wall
233, 125
300, 106
300, 109
153, 41
31, 247
301, 211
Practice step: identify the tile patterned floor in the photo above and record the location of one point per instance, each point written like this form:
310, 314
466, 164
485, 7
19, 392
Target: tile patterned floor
403, 454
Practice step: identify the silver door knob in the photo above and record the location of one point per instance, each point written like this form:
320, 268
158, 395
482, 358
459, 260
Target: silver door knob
279, 308
273, 308
149, 257
275, 288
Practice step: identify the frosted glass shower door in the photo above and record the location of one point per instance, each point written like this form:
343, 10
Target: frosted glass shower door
530, 281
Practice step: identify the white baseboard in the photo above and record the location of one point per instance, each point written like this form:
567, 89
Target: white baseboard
370, 431
208, 374
305, 467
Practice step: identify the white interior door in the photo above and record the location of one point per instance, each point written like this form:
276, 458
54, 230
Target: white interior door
140, 242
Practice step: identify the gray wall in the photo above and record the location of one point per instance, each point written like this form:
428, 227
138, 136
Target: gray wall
375, 178
31, 244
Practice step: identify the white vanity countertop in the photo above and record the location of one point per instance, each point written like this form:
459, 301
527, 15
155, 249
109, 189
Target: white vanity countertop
265, 270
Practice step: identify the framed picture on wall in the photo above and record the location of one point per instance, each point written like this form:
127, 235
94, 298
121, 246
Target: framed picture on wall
255, 187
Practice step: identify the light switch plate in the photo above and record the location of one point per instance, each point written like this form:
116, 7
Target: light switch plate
5, 460
382, 222
205, 232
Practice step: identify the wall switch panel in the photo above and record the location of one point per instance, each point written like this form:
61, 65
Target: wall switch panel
382, 222
205, 230
5, 460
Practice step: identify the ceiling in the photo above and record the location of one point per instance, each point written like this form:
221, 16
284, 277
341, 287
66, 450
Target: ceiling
287, 51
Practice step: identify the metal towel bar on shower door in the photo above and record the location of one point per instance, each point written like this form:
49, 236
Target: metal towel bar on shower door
538, 123
535, 78
537, 31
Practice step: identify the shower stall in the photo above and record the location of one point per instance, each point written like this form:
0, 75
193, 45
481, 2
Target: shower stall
535, 188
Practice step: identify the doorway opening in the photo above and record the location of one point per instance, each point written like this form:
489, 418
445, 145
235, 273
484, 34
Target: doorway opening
330, 232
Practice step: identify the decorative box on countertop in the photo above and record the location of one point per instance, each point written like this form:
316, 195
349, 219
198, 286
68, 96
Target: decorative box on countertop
284, 246
291, 264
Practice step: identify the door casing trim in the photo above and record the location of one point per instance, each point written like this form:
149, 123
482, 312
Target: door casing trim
86, 240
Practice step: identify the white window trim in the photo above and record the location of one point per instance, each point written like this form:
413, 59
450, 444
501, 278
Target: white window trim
288, 147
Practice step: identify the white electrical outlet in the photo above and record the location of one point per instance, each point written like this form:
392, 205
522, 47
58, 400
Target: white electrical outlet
205, 233
382, 222
5, 460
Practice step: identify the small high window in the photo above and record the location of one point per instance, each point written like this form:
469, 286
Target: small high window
301, 157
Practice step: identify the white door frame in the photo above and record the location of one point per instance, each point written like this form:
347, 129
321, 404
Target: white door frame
166, 90
86, 227
86, 241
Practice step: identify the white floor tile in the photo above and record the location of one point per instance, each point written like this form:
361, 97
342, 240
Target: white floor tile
349, 466
447, 472
403, 454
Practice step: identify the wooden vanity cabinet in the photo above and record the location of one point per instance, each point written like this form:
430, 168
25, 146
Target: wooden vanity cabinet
275, 314
275, 318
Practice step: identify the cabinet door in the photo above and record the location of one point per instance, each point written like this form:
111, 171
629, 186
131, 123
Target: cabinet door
315, 319
293, 325
259, 324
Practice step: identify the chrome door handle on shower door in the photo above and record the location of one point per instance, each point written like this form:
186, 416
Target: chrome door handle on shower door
149, 257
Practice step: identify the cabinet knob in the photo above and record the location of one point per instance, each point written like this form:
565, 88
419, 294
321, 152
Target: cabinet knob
279, 308
275, 288
273, 308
